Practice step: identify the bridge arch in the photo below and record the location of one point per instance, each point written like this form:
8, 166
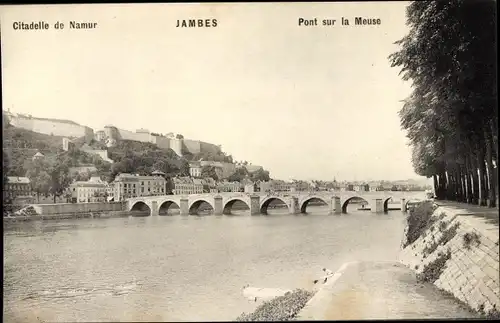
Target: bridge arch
142, 207
265, 204
386, 203
305, 202
193, 208
346, 202
229, 205
166, 205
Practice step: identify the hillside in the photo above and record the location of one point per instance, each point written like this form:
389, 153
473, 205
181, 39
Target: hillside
19, 146
144, 158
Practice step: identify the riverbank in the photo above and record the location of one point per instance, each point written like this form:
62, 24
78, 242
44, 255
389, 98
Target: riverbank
456, 249
67, 211
66, 216
448, 268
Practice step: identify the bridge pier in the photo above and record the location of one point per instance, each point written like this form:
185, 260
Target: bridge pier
335, 206
403, 205
184, 206
294, 205
154, 208
377, 206
218, 206
254, 204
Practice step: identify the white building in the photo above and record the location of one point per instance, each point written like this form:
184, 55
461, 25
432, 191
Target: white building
134, 185
93, 190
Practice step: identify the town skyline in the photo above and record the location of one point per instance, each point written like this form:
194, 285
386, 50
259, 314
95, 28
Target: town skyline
302, 111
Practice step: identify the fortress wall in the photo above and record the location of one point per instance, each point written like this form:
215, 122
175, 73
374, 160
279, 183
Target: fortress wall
161, 142
129, 135
176, 145
121, 134
49, 127
193, 146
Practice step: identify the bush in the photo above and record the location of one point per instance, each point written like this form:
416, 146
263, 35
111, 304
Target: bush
434, 269
444, 239
282, 308
418, 221
469, 238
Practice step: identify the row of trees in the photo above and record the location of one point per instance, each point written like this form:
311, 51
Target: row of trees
451, 116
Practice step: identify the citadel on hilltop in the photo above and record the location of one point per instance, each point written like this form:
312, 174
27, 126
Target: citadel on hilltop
110, 134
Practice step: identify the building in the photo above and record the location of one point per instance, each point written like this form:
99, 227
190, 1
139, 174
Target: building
100, 135
93, 190
38, 155
229, 187
361, 188
134, 185
18, 189
186, 186
195, 169
281, 186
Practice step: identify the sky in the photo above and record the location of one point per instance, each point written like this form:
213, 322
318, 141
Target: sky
305, 102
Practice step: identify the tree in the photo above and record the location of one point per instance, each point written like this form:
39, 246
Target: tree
238, 175
451, 117
209, 171
59, 178
260, 175
179, 136
37, 172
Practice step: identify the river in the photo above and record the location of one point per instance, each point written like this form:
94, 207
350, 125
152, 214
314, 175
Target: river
177, 268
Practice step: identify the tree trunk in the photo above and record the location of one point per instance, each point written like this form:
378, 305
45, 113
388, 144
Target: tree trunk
38, 197
434, 177
463, 186
491, 176
54, 199
475, 179
494, 136
468, 180
483, 190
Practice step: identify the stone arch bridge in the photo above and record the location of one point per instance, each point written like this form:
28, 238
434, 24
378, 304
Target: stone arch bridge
222, 203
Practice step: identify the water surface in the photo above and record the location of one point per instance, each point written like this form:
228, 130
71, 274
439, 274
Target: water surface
177, 267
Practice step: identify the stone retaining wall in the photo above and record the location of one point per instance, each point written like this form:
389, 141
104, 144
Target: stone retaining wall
471, 273
65, 208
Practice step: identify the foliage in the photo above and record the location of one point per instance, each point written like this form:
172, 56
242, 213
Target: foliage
144, 158
260, 175
209, 171
446, 236
239, 175
469, 238
208, 156
434, 269
451, 117
179, 136
282, 308
419, 219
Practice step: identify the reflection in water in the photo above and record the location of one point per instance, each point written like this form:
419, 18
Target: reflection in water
179, 267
